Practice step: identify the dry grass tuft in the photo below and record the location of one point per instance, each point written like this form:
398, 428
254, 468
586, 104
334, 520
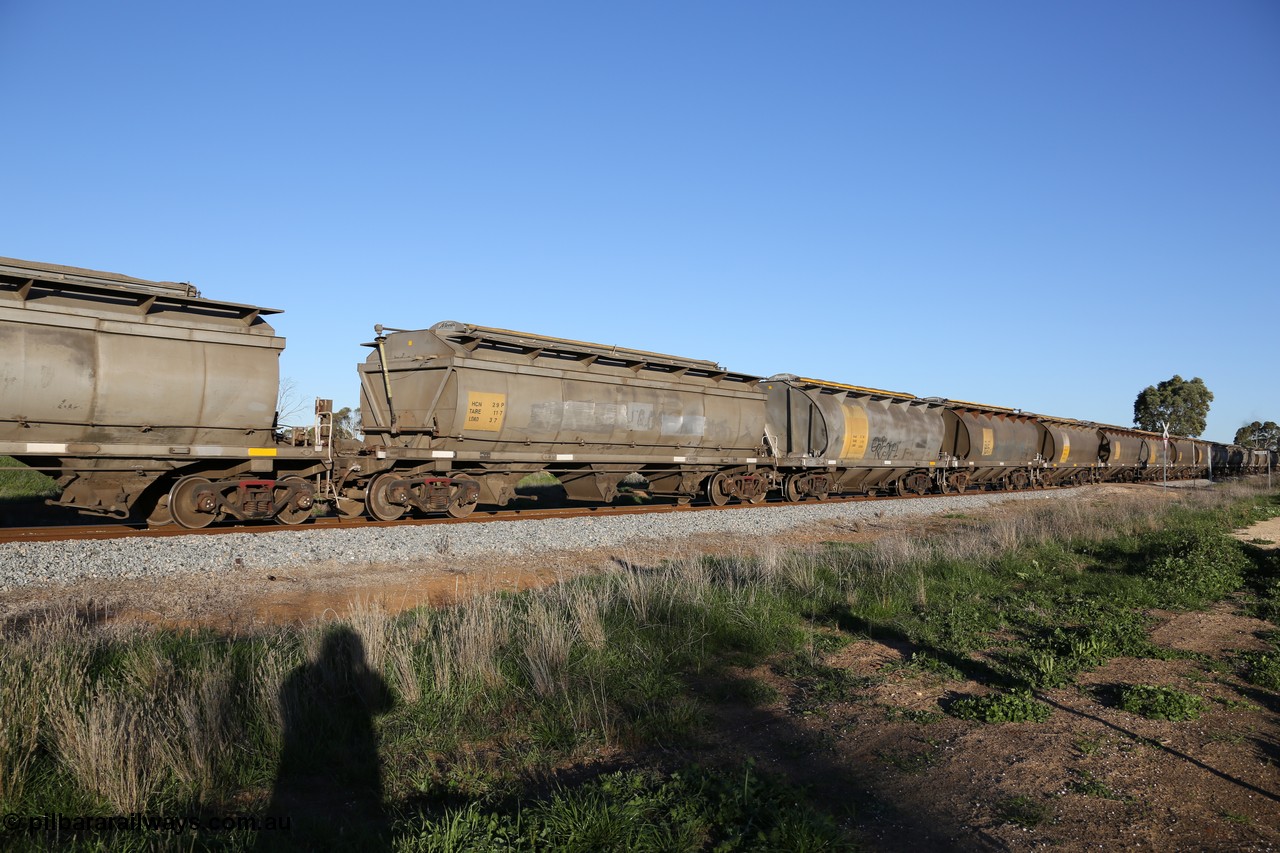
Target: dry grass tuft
587, 606
196, 729
466, 644
107, 742
20, 720
372, 625
547, 638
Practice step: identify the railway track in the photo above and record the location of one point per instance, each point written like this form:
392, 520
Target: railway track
125, 530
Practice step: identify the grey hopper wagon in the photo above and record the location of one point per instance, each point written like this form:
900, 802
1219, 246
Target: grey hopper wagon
1069, 449
1123, 453
830, 437
117, 386
458, 414
998, 447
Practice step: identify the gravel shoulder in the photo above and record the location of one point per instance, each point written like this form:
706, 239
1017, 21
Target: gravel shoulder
239, 582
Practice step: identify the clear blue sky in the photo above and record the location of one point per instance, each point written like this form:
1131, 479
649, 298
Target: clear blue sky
1042, 205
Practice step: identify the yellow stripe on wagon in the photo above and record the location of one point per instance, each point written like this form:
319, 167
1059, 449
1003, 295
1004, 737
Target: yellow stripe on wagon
262, 451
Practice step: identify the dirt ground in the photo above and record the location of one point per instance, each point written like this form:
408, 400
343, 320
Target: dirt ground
904, 775
1091, 777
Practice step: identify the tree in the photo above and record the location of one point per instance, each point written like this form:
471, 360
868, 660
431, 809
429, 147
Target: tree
1259, 436
346, 422
1180, 404
288, 400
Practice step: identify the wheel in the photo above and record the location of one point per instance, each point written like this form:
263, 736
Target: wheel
299, 509
758, 499
193, 503
791, 488
160, 515
716, 493
349, 508
459, 508
378, 497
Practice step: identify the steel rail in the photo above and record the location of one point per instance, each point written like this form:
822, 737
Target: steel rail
127, 530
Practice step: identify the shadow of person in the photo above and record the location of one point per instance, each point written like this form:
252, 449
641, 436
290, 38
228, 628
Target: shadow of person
328, 788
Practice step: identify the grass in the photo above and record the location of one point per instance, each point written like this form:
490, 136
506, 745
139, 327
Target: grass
17, 481
1089, 786
467, 716
690, 810
1023, 811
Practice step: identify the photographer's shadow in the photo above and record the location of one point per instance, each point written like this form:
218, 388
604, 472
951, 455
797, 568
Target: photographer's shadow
328, 788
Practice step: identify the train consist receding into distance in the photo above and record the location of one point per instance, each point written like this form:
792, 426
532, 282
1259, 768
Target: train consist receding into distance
145, 399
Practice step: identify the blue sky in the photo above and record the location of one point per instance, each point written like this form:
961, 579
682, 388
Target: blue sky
1045, 206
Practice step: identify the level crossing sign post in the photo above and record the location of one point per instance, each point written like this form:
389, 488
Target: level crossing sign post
1165, 455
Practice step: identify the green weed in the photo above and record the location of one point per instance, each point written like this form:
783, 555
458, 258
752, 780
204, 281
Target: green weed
924, 662
1261, 668
1089, 746
911, 715
1160, 703
817, 685
1011, 707
912, 761
1195, 565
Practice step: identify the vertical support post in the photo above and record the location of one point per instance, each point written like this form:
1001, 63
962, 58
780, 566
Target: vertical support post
1164, 454
381, 341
